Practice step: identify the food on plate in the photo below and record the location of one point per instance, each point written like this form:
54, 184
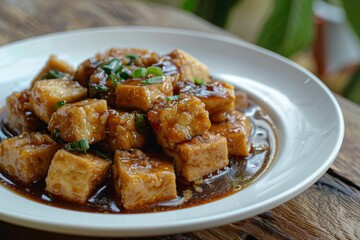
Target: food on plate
131, 130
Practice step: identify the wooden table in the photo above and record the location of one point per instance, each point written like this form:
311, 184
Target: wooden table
330, 209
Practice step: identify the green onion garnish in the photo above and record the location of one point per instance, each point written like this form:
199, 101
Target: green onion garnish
59, 104
116, 80
57, 134
132, 58
52, 74
152, 80
101, 88
140, 122
102, 155
173, 98
139, 73
94, 90
199, 81
126, 73
80, 146
153, 70
113, 66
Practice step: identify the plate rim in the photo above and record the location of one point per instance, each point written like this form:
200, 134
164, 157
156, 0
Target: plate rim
200, 222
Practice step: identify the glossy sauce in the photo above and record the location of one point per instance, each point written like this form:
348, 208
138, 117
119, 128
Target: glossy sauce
237, 175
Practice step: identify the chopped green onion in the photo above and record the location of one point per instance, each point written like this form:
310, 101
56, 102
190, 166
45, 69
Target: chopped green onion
57, 134
113, 66
132, 58
116, 80
94, 90
152, 80
52, 74
59, 104
100, 88
199, 81
80, 146
139, 73
153, 70
103, 155
126, 73
173, 98
140, 122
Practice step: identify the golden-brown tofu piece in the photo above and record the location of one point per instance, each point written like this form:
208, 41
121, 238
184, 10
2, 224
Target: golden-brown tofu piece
139, 57
142, 180
134, 94
236, 129
74, 176
122, 130
27, 157
218, 96
54, 63
100, 79
241, 101
81, 120
178, 120
46, 93
200, 156
86, 69
189, 67
19, 118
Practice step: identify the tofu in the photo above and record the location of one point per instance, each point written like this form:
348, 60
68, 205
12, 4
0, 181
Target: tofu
140, 180
54, 63
46, 93
86, 69
19, 117
189, 67
200, 156
218, 96
144, 57
27, 157
81, 120
74, 176
122, 131
102, 80
133, 94
179, 120
241, 101
237, 130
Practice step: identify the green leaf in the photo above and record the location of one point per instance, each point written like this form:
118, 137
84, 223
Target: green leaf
215, 11
352, 90
289, 28
352, 8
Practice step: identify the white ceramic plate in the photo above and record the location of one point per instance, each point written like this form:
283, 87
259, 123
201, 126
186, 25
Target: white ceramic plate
309, 121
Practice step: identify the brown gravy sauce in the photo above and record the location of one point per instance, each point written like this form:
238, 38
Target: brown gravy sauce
236, 176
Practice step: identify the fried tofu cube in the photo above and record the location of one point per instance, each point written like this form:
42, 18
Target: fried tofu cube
200, 156
178, 120
27, 157
74, 176
218, 96
241, 101
81, 120
19, 118
54, 63
139, 57
141, 180
45, 94
189, 67
86, 69
237, 130
123, 132
133, 94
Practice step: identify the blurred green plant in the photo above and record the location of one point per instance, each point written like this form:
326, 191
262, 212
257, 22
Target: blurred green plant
289, 28
214, 11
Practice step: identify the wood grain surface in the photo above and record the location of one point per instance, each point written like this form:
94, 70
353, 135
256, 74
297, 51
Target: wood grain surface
330, 209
